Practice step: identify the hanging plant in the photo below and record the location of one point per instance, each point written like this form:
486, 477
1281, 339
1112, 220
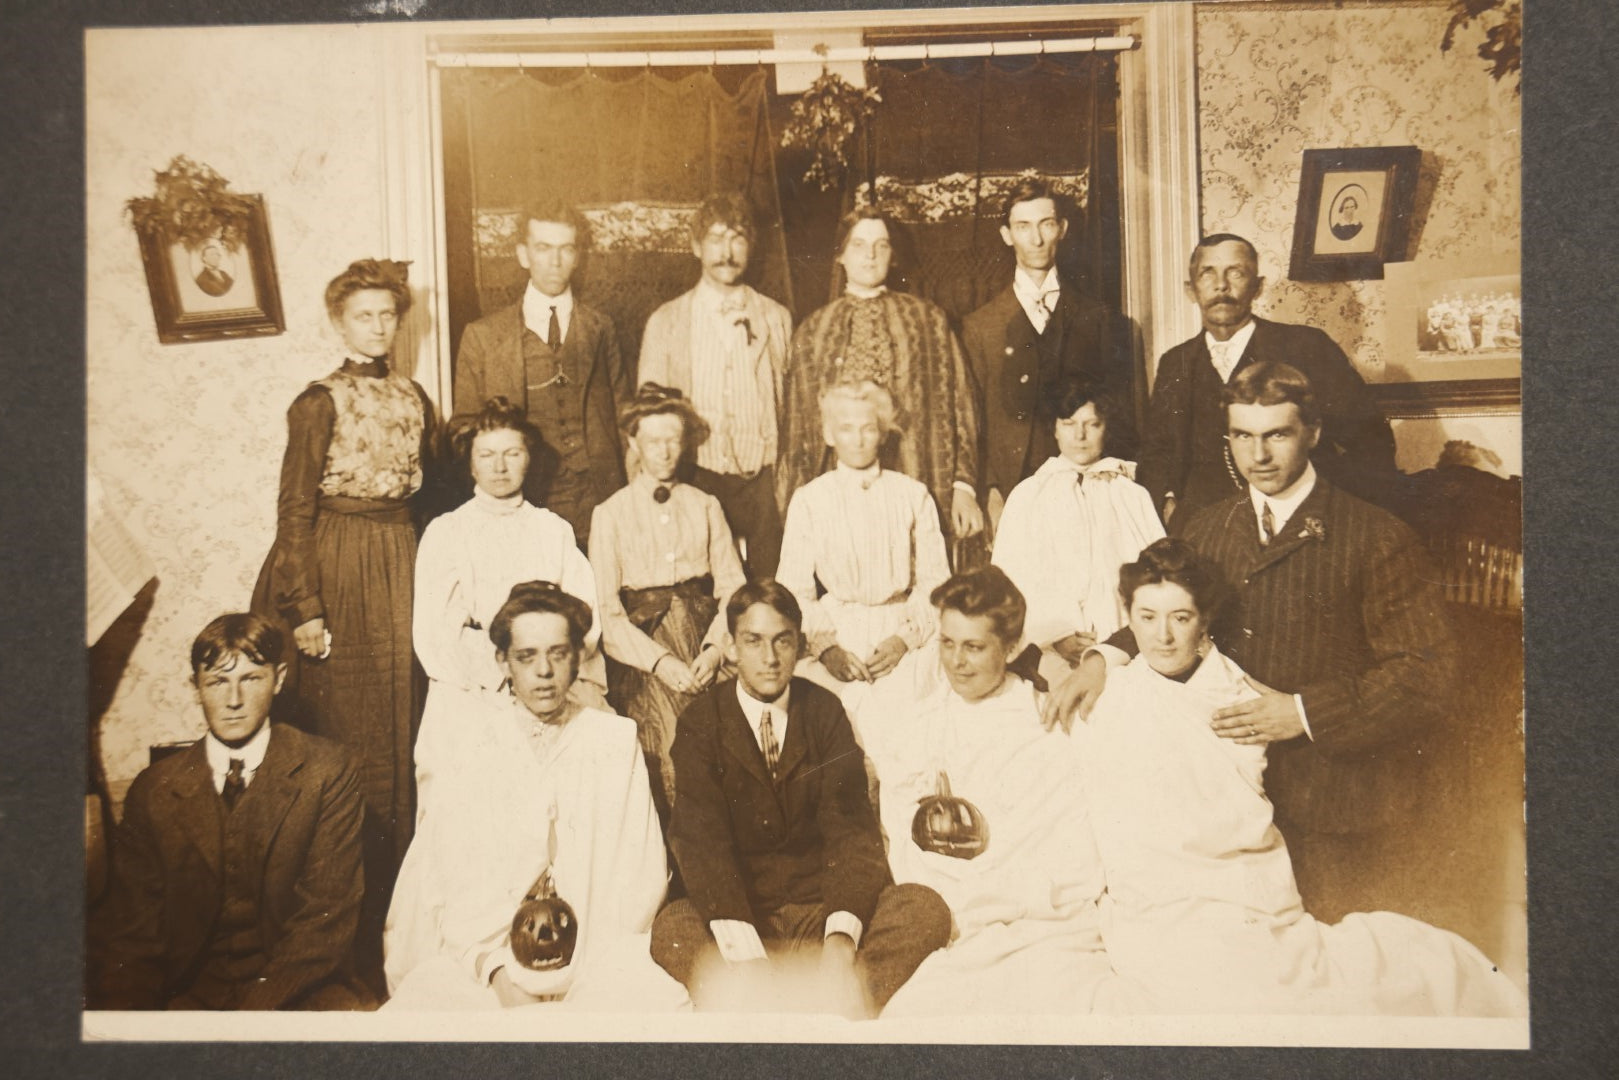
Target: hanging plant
1502, 21
824, 122
193, 204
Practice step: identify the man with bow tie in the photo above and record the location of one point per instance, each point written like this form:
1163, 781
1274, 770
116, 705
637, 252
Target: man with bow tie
236, 872
724, 345
1184, 463
1036, 334
1338, 619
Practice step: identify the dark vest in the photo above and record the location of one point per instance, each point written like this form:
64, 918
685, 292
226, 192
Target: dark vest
235, 953
558, 410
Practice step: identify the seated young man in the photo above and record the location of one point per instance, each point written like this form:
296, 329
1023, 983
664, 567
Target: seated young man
540, 795
777, 842
236, 871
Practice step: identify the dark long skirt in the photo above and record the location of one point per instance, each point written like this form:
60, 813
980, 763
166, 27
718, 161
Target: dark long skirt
367, 694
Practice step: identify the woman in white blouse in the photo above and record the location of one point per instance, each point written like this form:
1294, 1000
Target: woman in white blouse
1067, 529
665, 564
870, 539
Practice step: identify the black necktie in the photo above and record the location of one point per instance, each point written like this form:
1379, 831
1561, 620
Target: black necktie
234, 784
553, 330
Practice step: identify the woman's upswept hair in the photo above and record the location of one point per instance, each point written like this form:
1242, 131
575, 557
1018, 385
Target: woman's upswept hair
866, 391
986, 591
497, 414
655, 400
1179, 563
385, 274
540, 598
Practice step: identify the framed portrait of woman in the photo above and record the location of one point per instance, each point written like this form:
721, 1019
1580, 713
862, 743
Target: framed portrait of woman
1354, 212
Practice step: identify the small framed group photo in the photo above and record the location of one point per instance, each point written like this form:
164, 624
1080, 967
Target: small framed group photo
1455, 337
1354, 212
220, 287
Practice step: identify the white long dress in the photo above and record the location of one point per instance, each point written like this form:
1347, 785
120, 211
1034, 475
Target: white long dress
1062, 537
1025, 911
1201, 906
485, 840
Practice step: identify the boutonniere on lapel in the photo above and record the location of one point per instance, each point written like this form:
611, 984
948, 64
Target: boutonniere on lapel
1314, 529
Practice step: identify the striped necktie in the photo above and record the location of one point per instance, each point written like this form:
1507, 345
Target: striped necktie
767, 742
1267, 524
234, 784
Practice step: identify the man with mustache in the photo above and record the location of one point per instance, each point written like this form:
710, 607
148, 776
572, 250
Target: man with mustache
724, 345
1185, 465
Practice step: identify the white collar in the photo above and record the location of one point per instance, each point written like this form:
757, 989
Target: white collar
250, 753
754, 709
864, 477
1236, 344
710, 298
1102, 466
495, 504
1284, 505
1025, 286
537, 309
860, 292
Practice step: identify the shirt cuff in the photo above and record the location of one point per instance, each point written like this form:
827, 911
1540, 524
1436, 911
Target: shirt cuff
1298, 700
1112, 656
962, 485
843, 922
738, 941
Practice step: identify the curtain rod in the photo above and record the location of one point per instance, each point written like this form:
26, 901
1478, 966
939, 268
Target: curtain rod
756, 57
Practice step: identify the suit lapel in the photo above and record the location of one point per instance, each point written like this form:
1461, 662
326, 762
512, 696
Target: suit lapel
1258, 347
736, 738
273, 790
200, 807
793, 748
1294, 533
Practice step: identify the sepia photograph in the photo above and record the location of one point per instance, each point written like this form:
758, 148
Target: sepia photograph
893, 526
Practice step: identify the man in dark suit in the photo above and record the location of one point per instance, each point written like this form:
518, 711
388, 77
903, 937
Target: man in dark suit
1026, 342
777, 842
236, 874
1338, 618
1184, 463
559, 360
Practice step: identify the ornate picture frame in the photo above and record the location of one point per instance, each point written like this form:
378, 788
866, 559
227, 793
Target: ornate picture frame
216, 290
1354, 212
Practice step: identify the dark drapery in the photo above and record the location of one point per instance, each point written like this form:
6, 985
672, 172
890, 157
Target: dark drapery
952, 137
636, 151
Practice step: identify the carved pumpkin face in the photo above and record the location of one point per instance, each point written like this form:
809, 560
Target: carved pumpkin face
948, 825
544, 931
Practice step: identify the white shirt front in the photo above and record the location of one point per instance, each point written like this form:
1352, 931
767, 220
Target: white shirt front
1284, 505
537, 311
1225, 354
250, 753
754, 710
1039, 300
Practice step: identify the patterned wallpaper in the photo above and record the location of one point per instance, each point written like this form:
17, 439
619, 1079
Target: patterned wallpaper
1277, 78
187, 439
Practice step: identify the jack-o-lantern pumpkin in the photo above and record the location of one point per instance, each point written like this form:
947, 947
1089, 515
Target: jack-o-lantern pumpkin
545, 929
948, 825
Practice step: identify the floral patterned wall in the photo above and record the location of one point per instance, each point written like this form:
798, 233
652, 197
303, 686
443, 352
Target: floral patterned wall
187, 439
1275, 79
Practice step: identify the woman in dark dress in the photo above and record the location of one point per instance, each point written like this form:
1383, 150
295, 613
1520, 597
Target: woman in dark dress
341, 571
